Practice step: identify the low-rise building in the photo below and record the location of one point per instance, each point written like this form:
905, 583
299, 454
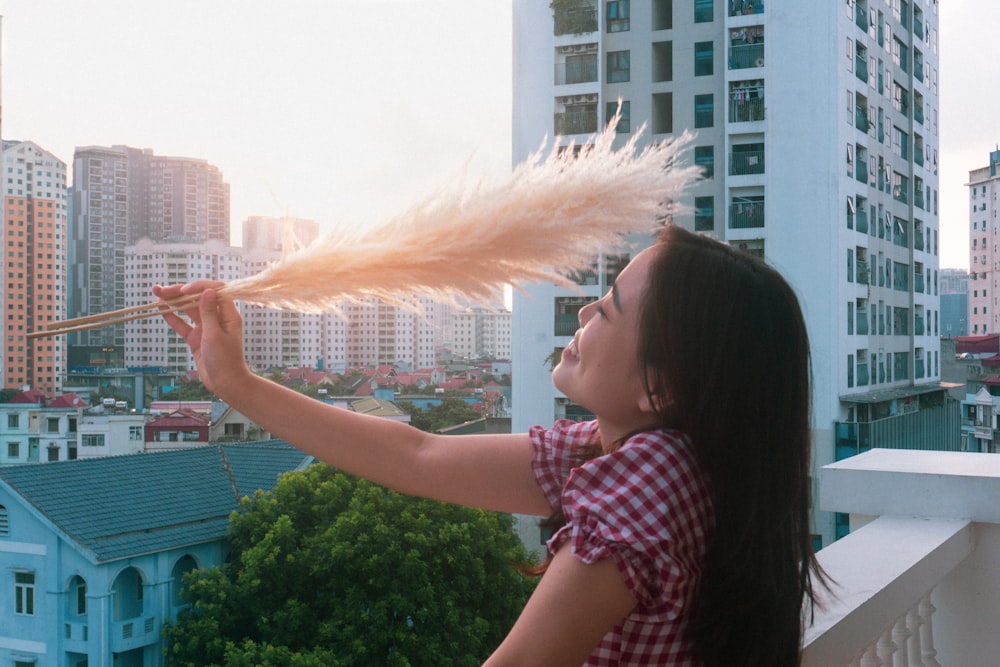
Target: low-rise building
94, 551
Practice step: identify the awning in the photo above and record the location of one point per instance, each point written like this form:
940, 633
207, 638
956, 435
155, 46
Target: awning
897, 393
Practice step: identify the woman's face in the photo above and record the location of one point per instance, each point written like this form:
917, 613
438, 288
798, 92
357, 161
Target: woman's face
599, 369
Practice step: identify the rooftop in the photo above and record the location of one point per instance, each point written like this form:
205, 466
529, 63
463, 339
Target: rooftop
119, 506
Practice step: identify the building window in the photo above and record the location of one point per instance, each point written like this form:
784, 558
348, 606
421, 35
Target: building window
704, 214
81, 597
618, 15
13, 450
704, 157
13, 421
624, 121
4, 522
92, 440
704, 110
135, 433
704, 11
618, 66
703, 57
24, 593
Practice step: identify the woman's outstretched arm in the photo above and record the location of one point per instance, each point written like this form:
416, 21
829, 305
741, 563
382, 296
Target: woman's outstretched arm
488, 471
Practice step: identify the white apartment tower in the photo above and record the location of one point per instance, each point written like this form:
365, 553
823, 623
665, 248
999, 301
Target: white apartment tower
817, 129
984, 260
150, 342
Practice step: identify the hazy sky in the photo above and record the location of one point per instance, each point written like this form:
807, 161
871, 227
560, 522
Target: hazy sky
346, 112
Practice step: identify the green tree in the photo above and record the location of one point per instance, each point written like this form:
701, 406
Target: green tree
449, 412
331, 570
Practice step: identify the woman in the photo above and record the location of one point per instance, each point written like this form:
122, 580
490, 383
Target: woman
685, 503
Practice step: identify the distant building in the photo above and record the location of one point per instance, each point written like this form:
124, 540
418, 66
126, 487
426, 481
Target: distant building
120, 196
35, 429
94, 551
34, 266
278, 234
984, 259
150, 341
481, 333
954, 289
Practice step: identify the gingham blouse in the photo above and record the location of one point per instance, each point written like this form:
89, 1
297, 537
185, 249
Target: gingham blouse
647, 507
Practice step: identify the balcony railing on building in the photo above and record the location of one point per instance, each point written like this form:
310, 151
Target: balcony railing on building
745, 56
861, 329
575, 20
745, 162
862, 272
746, 105
742, 7
746, 213
915, 577
861, 221
576, 69
576, 121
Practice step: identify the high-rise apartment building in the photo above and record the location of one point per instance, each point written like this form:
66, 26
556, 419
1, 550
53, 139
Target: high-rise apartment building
816, 126
34, 266
278, 234
150, 342
984, 259
282, 338
120, 196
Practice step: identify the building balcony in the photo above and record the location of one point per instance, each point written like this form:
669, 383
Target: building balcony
576, 70
746, 214
744, 7
744, 56
744, 109
576, 122
914, 582
575, 20
744, 162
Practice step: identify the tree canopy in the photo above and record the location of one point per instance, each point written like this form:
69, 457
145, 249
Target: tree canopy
449, 412
332, 570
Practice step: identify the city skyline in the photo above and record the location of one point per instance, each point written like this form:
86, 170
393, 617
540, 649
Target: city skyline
321, 111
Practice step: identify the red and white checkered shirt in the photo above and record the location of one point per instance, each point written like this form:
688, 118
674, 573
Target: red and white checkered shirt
647, 507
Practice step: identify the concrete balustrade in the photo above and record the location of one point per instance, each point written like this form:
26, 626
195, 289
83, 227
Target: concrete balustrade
917, 582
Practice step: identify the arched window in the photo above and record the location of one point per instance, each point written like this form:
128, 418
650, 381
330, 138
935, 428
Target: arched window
182, 567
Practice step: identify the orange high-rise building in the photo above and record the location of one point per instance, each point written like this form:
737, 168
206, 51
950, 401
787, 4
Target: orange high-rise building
34, 266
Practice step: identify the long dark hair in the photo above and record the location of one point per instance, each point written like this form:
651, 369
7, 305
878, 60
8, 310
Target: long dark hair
725, 356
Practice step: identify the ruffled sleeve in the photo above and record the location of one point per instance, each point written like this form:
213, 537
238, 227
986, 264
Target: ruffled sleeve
557, 451
647, 507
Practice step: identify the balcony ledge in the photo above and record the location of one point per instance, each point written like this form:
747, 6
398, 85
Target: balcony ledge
920, 576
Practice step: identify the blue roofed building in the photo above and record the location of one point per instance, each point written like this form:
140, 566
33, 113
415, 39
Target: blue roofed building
92, 551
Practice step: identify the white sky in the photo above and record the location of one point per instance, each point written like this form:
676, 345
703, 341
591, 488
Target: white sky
347, 112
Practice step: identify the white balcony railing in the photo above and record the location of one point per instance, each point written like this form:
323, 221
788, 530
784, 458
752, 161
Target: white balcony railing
917, 582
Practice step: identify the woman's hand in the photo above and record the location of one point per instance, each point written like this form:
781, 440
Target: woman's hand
214, 334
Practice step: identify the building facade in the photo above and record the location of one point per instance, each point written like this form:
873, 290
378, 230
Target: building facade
150, 342
984, 259
34, 266
122, 195
816, 127
954, 288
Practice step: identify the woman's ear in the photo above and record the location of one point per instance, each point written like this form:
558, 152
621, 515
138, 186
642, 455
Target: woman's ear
652, 403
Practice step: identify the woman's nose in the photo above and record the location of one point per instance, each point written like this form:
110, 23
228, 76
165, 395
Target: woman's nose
584, 314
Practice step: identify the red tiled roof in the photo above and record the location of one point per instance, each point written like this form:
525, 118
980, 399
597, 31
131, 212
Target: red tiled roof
30, 396
69, 400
